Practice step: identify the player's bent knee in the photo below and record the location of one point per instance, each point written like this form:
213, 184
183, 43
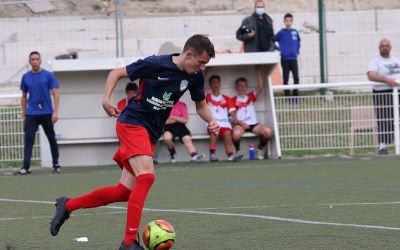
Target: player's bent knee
146, 179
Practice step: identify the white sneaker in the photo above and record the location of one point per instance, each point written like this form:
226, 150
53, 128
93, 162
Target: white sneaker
213, 157
260, 154
173, 160
235, 157
197, 158
23, 171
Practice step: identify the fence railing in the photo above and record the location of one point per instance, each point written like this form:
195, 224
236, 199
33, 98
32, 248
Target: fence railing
345, 117
12, 136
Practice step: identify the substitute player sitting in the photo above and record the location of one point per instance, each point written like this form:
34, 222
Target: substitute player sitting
246, 116
175, 126
221, 107
130, 91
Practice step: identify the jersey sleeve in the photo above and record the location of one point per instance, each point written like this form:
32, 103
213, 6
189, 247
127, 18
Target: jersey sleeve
141, 68
252, 96
230, 103
23, 86
121, 104
373, 66
197, 88
53, 84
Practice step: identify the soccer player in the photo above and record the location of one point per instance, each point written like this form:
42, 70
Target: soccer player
130, 91
221, 107
175, 126
163, 80
246, 119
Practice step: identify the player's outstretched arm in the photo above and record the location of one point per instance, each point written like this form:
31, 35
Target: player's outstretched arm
113, 77
204, 112
260, 80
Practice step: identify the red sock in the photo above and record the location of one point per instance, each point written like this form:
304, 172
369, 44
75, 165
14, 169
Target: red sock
135, 206
99, 197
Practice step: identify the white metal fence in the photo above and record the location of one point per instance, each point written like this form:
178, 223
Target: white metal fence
12, 136
345, 117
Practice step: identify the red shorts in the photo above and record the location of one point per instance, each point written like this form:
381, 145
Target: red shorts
222, 131
134, 140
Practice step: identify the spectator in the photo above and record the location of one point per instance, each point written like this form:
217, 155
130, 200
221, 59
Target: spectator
37, 110
246, 116
256, 31
175, 126
385, 69
221, 107
130, 91
289, 46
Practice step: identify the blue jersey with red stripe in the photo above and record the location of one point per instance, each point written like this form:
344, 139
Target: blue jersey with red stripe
161, 85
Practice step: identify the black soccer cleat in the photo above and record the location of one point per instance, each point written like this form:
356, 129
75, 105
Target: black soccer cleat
134, 246
60, 216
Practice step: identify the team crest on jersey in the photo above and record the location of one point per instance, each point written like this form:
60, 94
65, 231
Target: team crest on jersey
184, 84
166, 96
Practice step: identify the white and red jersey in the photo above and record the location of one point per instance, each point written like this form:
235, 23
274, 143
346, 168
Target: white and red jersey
220, 107
245, 110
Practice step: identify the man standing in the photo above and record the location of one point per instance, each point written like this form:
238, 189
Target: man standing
256, 31
163, 80
289, 46
37, 109
385, 69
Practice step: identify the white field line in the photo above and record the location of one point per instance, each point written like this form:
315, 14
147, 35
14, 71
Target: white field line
179, 169
264, 217
48, 217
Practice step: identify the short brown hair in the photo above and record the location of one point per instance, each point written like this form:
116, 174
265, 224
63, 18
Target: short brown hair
200, 44
34, 53
241, 79
214, 77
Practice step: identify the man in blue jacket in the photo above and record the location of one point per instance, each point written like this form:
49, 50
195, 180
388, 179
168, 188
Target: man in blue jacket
289, 46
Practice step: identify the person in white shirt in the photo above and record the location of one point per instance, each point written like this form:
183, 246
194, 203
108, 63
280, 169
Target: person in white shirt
385, 69
221, 107
246, 119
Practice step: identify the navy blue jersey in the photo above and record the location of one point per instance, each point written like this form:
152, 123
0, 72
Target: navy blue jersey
161, 85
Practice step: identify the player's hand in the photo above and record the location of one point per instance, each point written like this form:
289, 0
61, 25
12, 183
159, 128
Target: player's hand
54, 117
213, 128
393, 83
110, 109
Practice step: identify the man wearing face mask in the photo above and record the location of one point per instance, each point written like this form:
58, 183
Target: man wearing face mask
256, 31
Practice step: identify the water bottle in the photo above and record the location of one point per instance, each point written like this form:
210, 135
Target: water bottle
252, 152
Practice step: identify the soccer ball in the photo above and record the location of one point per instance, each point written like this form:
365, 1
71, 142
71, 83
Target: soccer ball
159, 235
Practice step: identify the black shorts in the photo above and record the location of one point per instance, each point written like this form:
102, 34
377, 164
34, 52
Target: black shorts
177, 129
251, 127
